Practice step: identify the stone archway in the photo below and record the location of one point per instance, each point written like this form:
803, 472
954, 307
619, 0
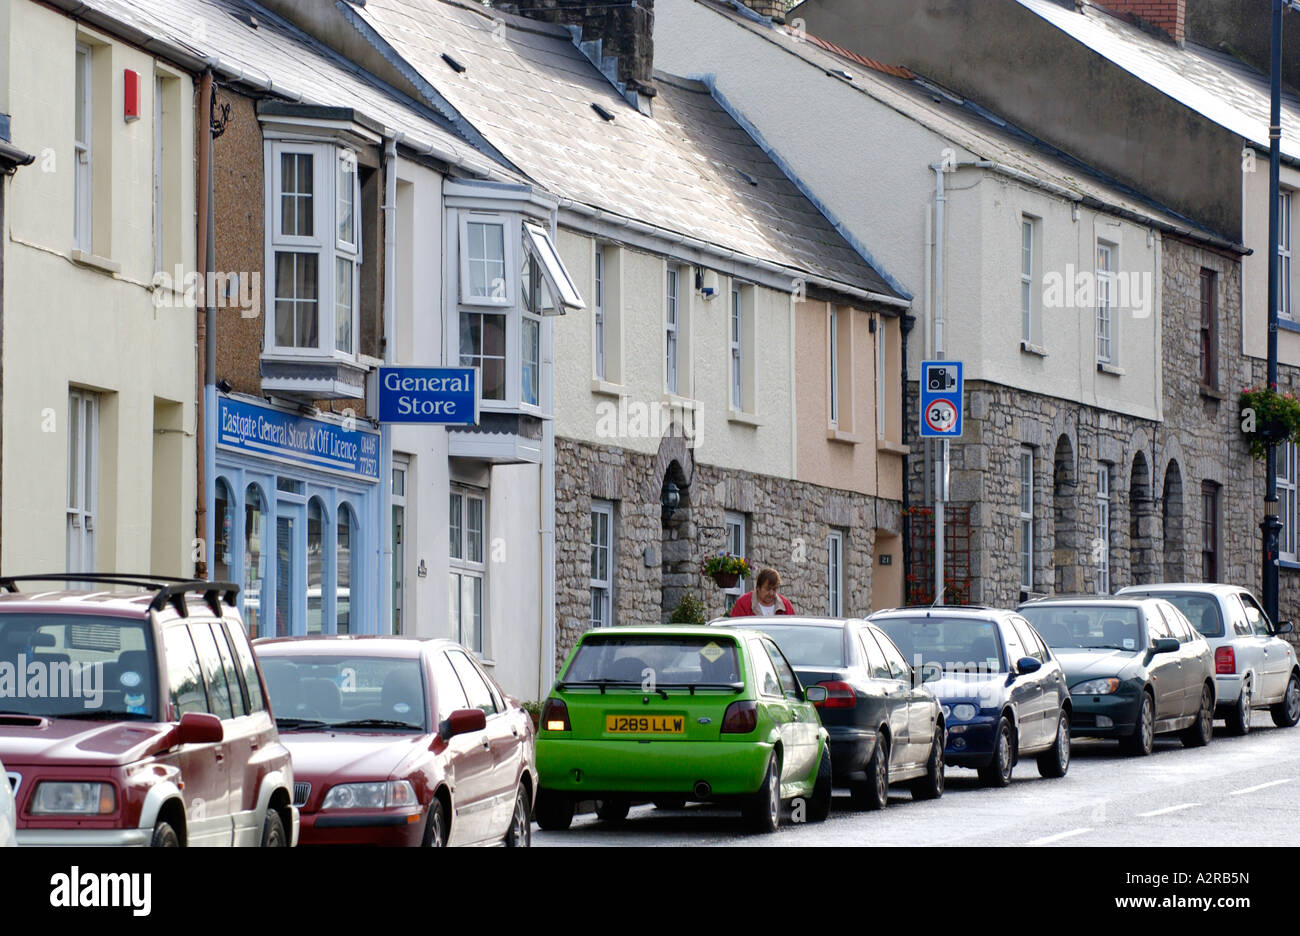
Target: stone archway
1171, 522
1067, 536
1141, 523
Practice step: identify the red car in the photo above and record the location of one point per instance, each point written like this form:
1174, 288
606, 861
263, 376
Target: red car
138, 717
400, 741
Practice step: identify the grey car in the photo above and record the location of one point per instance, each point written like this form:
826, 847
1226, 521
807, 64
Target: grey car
884, 726
1254, 668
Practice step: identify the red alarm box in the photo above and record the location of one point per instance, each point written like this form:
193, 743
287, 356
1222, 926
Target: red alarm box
130, 95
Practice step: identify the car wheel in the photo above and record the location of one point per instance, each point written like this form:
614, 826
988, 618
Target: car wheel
1055, 761
819, 807
873, 792
1143, 738
931, 785
520, 833
1202, 730
612, 810
1238, 718
997, 773
435, 831
1287, 712
164, 836
273, 830
762, 813
554, 811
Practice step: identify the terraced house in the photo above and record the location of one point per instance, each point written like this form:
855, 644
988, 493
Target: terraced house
1039, 271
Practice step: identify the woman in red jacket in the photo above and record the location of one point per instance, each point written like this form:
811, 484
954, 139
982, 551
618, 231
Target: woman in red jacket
763, 600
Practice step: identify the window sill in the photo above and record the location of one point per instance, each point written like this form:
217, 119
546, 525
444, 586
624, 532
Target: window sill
103, 264
847, 438
743, 419
680, 402
1288, 325
1213, 393
1288, 564
1036, 350
1114, 371
894, 448
604, 388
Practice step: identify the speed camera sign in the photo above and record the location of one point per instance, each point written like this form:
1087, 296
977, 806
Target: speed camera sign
941, 393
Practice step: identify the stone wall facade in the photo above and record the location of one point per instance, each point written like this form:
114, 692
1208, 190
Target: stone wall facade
656, 560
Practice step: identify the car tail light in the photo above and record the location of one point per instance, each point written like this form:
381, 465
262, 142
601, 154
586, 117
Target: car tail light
1225, 660
740, 717
838, 695
555, 716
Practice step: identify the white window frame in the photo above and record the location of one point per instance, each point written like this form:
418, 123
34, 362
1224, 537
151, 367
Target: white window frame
323, 242
736, 527
1284, 308
1026, 473
834, 369
602, 587
509, 254
1103, 527
83, 492
83, 151
736, 327
1287, 476
462, 567
598, 313
1028, 230
835, 573
399, 482
1105, 270
563, 291
672, 328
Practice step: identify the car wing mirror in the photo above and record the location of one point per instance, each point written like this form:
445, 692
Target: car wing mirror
463, 721
1285, 627
815, 694
1027, 665
200, 728
1165, 645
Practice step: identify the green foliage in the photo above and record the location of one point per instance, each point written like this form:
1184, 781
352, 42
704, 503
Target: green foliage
723, 564
1267, 415
690, 610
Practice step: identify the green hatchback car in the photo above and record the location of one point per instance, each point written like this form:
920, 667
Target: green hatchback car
670, 714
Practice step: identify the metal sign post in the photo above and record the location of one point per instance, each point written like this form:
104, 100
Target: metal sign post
941, 418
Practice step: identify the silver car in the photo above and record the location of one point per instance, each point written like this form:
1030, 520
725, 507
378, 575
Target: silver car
8, 815
1254, 668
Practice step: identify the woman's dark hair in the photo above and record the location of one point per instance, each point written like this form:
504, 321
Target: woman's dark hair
768, 577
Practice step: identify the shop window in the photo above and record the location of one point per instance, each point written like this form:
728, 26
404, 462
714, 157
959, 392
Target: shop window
316, 609
225, 528
254, 560
346, 559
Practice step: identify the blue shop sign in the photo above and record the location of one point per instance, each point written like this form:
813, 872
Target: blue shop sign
444, 395
312, 443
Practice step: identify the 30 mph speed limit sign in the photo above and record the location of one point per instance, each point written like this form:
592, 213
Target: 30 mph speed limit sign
941, 395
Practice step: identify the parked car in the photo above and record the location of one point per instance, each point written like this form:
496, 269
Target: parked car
158, 732
8, 815
1135, 666
400, 741
884, 726
1003, 692
685, 713
1254, 668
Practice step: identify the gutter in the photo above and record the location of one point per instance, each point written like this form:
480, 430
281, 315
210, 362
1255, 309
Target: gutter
385, 623
205, 524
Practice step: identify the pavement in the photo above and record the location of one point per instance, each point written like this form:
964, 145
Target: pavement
1235, 791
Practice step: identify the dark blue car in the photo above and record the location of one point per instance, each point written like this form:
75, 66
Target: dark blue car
1003, 693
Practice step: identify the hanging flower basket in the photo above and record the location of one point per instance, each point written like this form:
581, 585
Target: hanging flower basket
725, 570
1268, 418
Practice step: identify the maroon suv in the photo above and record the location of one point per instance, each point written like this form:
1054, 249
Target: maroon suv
137, 716
400, 741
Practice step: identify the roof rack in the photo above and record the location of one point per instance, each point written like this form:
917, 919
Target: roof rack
168, 589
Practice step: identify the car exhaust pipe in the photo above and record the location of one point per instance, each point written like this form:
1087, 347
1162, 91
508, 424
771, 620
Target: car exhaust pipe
702, 789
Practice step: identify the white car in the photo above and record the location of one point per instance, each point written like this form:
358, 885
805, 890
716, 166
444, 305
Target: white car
1254, 668
8, 815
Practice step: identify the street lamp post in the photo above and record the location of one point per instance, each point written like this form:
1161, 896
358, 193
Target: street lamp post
1271, 525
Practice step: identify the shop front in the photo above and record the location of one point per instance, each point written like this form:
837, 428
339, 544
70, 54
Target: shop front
296, 514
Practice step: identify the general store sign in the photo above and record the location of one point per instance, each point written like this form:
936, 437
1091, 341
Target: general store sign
313, 443
446, 396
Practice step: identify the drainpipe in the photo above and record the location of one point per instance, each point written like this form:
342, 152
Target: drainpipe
546, 665
905, 323
206, 327
390, 357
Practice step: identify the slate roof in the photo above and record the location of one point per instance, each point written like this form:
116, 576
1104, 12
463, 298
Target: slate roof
1219, 87
276, 53
972, 127
690, 169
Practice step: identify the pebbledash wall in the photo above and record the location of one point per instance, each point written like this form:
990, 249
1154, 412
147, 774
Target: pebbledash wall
656, 561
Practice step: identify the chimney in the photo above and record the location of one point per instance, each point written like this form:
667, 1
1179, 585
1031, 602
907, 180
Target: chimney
772, 9
625, 31
1164, 17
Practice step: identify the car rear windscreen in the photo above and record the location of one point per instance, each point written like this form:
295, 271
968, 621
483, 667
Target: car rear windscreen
74, 665
810, 646
631, 659
345, 690
962, 645
1101, 627
1201, 610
